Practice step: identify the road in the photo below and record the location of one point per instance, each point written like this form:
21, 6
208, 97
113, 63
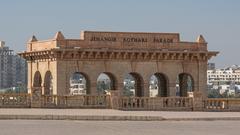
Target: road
60, 127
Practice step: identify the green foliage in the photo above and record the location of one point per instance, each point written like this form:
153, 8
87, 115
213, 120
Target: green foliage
213, 93
19, 89
102, 86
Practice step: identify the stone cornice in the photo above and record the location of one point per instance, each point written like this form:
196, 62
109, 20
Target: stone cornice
97, 54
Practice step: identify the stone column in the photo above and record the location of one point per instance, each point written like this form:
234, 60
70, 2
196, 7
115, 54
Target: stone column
36, 97
30, 77
93, 88
120, 88
202, 78
198, 101
172, 89
146, 90
114, 99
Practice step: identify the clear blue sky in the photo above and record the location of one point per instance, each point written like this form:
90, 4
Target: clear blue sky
217, 20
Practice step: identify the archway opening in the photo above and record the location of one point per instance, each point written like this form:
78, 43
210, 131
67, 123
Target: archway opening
184, 85
48, 84
105, 82
133, 85
37, 82
79, 84
158, 85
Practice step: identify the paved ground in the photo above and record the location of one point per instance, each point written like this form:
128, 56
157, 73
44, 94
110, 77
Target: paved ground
109, 114
63, 127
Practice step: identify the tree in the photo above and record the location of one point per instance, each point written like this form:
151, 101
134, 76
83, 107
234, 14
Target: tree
214, 93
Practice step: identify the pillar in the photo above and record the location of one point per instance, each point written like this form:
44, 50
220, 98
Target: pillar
146, 90
172, 89
93, 88
36, 97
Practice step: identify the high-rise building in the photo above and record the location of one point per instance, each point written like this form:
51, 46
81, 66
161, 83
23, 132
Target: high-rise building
13, 71
20, 69
5, 66
211, 66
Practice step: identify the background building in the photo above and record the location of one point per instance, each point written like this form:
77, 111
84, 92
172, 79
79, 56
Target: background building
224, 76
6, 59
224, 82
211, 66
13, 70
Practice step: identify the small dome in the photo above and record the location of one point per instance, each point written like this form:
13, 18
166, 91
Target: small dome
59, 36
32, 39
201, 39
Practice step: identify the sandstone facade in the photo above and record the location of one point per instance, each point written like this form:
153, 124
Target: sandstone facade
116, 54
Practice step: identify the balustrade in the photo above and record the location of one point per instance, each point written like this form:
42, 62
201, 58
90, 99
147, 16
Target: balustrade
215, 104
78, 101
14, 100
155, 103
118, 102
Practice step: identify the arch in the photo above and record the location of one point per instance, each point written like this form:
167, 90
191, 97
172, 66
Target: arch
48, 84
37, 79
79, 84
133, 85
158, 85
106, 81
185, 84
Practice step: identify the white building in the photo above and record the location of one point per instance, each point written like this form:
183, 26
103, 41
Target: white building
78, 87
224, 76
226, 88
225, 80
153, 91
211, 66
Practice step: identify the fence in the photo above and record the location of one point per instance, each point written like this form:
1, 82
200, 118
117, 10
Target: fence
222, 104
15, 101
118, 102
156, 103
79, 101
83, 101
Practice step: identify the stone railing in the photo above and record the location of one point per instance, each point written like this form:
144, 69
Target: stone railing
49, 101
118, 102
178, 103
215, 104
15, 101
233, 104
222, 104
156, 103
80, 101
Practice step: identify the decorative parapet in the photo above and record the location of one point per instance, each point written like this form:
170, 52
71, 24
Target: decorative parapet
118, 45
119, 40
